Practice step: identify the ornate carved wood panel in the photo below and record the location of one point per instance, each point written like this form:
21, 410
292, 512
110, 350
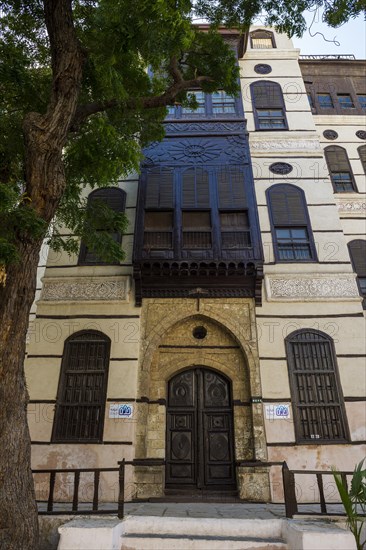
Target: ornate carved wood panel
200, 450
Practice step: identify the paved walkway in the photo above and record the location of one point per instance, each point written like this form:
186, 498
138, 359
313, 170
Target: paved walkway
212, 510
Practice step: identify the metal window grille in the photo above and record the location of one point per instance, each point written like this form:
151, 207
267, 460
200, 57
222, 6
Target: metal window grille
82, 389
317, 399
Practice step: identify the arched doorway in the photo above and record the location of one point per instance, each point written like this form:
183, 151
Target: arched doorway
200, 435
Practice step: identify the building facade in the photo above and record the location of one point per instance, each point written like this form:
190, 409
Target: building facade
232, 337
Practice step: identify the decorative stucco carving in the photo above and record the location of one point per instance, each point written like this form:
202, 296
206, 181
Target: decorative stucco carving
285, 145
361, 134
193, 150
352, 206
262, 68
328, 287
330, 134
281, 168
204, 127
86, 289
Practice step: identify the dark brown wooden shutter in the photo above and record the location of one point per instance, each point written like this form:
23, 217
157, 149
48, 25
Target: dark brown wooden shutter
337, 159
362, 153
267, 95
287, 205
195, 188
111, 197
82, 389
115, 199
231, 190
357, 250
159, 188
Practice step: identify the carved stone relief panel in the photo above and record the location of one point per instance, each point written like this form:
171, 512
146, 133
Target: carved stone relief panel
353, 207
335, 287
77, 289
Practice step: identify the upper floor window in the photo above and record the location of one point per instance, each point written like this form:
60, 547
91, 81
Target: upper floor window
339, 169
222, 102
81, 395
357, 250
362, 100
362, 153
193, 211
213, 105
200, 98
345, 101
115, 199
291, 231
262, 40
269, 107
317, 399
325, 101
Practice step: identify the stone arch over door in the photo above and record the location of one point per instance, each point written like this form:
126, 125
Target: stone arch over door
168, 346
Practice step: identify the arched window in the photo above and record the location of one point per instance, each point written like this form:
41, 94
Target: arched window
362, 153
340, 170
291, 230
81, 396
262, 39
115, 199
357, 251
317, 399
268, 105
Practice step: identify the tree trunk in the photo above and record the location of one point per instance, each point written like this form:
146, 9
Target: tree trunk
18, 513
45, 137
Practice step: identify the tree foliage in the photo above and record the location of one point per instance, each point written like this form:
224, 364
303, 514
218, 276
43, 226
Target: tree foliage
120, 106
354, 500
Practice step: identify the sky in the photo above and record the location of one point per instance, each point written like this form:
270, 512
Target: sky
351, 38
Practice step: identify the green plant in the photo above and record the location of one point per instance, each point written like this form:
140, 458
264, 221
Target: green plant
354, 500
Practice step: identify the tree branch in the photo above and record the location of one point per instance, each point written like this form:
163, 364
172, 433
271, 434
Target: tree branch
149, 102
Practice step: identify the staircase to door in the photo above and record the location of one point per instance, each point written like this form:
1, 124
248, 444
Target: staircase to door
200, 440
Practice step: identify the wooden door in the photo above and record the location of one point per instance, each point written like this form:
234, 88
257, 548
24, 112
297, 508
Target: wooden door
200, 450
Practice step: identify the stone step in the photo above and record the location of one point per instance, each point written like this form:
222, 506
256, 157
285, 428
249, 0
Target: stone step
181, 542
213, 527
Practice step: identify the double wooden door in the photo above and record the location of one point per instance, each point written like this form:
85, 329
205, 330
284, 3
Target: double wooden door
200, 449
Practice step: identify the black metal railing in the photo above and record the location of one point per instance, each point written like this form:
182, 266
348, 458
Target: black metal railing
294, 507
73, 505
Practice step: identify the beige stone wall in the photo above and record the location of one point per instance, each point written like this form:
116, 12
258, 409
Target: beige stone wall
322, 295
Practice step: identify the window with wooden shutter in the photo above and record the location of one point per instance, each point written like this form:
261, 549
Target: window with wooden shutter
268, 106
339, 169
195, 188
197, 230
159, 188
317, 399
357, 250
262, 40
235, 232
362, 154
291, 231
81, 397
159, 209
231, 188
115, 199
